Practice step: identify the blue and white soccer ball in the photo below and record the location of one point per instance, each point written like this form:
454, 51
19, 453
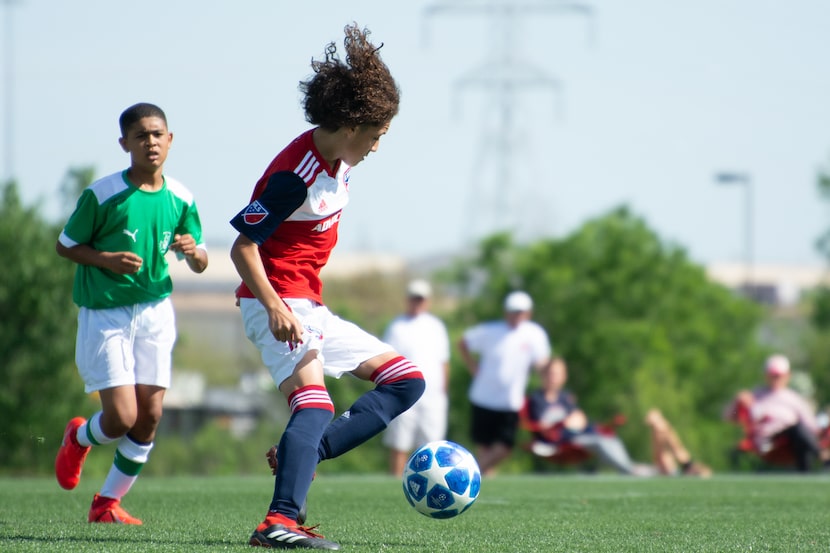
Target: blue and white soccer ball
441, 479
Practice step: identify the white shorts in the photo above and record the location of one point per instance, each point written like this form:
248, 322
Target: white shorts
341, 346
426, 421
125, 346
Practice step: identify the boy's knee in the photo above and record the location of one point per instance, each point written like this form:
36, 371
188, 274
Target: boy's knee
409, 390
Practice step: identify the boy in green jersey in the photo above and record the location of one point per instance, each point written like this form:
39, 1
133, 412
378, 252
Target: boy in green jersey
119, 233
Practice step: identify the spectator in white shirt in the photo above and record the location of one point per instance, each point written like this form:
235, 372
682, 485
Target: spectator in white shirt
500, 355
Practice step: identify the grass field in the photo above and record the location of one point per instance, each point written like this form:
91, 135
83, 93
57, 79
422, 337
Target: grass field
369, 513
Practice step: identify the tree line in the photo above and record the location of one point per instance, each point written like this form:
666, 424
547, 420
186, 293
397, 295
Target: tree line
638, 322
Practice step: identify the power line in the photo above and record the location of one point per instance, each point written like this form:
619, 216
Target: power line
503, 76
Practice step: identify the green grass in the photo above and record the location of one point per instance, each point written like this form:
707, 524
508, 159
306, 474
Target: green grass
774, 513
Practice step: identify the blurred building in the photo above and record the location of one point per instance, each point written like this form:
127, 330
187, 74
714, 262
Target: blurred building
773, 285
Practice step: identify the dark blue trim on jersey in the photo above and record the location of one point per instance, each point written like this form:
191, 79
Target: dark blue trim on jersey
283, 194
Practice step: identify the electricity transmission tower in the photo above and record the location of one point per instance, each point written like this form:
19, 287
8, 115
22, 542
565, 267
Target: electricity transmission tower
497, 198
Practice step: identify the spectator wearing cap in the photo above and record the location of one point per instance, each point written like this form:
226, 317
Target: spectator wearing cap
500, 355
422, 338
777, 410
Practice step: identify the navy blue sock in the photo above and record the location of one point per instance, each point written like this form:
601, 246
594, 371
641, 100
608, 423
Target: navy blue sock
297, 459
369, 415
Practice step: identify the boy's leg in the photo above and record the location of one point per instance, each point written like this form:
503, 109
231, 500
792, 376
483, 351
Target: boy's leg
311, 411
399, 384
103, 335
79, 437
71, 455
131, 454
134, 448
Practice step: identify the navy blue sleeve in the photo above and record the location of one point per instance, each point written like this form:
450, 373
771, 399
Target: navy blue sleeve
283, 194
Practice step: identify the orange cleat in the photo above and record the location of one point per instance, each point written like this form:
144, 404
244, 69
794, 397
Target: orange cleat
109, 510
71, 456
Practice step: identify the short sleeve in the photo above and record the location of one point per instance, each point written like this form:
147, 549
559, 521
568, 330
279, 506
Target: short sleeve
283, 194
80, 227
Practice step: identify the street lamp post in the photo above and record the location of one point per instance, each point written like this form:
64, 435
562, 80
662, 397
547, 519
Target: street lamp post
745, 180
8, 90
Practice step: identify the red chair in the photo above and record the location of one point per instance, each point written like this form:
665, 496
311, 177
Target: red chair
566, 453
780, 453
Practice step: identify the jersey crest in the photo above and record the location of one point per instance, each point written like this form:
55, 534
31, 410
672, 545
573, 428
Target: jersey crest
254, 213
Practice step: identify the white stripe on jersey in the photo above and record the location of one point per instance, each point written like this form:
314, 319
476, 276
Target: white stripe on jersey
107, 187
179, 190
307, 167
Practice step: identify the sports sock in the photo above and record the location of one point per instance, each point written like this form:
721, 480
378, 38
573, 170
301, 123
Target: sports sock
130, 457
90, 432
399, 385
311, 412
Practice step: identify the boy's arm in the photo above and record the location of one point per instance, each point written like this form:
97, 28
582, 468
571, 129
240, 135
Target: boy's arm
123, 263
281, 320
197, 258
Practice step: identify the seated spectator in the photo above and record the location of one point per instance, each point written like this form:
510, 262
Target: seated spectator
777, 416
556, 420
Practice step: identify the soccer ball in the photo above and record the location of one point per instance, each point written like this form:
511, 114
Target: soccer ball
441, 479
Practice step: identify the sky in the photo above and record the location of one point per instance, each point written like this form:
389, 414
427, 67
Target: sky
637, 103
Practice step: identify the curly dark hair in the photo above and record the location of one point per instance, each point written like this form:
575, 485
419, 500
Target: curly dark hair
360, 91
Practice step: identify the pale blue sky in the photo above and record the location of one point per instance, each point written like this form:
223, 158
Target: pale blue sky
656, 96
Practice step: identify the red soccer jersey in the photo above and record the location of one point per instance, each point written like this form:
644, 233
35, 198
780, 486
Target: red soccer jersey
295, 242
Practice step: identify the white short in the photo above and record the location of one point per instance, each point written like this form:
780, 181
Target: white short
426, 421
125, 346
341, 346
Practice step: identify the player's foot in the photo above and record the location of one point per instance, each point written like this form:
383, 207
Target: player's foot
107, 509
280, 532
543, 449
71, 456
697, 469
271, 455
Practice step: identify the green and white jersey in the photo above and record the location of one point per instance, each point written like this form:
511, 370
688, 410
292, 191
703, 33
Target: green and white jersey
115, 215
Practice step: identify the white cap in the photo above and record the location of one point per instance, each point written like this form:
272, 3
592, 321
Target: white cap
518, 301
777, 364
419, 289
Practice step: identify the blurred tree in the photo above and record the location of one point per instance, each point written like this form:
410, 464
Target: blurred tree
41, 388
817, 344
640, 325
